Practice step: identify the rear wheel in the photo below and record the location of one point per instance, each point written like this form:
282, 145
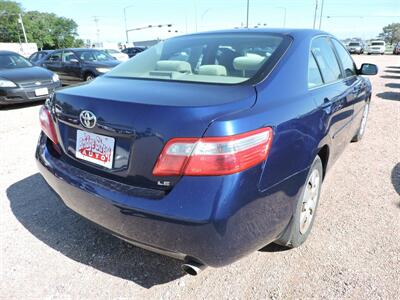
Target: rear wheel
303, 218
363, 124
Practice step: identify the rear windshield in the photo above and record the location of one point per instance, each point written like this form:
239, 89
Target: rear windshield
209, 58
13, 61
354, 44
377, 44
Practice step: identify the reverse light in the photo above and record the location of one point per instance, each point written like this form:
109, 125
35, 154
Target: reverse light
214, 155
47, 124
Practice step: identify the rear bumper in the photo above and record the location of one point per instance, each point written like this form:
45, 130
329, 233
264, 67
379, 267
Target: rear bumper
376, 51
212, 220
20, 95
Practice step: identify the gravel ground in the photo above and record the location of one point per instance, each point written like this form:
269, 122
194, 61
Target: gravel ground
48, 251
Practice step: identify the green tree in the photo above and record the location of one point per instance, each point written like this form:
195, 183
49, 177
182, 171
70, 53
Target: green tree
47, 30
10, 29
391, 33
50, 31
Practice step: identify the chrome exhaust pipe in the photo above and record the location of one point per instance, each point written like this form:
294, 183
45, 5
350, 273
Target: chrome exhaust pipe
192, 268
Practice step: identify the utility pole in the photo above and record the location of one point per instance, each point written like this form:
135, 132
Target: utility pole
126, 27
195, 14
96, 21
19, 20
284, 15
126, 23
320, 16
23, 27
315, 13
247, 18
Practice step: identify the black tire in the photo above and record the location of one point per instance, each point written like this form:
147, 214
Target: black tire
361, 130
89, 77
292, 237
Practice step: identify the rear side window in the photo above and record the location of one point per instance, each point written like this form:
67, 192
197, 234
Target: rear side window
347, 62
314, 75
326, 59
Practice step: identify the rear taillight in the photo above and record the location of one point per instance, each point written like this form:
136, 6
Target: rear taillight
47, 124
214, 155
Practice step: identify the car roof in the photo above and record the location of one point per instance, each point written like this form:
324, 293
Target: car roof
84, 49
78, 49
293, 32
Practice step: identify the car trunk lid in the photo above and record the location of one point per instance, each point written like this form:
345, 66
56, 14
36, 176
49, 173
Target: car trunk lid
142, 115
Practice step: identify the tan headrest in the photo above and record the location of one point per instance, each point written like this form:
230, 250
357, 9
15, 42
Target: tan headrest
174, 65
216, 70
250, 62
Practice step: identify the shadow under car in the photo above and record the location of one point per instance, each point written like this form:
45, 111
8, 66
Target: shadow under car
45, 216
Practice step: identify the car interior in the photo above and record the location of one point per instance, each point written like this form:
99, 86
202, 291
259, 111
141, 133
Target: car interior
215, 61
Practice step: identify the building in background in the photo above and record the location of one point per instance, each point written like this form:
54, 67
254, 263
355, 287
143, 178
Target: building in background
25, 49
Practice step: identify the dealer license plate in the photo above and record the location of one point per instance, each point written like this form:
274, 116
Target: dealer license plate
95, 148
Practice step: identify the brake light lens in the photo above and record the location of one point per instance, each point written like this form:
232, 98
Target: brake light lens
214, 155
47, 124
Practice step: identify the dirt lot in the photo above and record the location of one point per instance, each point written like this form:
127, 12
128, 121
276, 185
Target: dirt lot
47, 251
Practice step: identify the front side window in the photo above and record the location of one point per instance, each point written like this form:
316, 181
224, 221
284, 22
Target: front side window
326, 59
347, 62
212, 58
55, 57
67, 56
13, 61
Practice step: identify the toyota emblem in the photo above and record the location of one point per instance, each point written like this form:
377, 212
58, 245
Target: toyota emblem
88, 119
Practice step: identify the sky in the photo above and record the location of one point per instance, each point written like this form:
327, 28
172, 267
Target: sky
343, 18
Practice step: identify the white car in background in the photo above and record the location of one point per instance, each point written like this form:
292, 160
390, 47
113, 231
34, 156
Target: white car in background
118, 55
376, 47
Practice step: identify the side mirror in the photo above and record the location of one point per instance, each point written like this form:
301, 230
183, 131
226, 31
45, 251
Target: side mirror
74, 61
368, 69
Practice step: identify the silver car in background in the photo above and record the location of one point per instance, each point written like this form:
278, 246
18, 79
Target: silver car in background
355, 47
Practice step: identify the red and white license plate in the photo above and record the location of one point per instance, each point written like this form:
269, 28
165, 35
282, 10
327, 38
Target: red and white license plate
96, 148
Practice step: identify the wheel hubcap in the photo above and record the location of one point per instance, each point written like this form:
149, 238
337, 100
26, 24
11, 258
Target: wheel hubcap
309, 202
364, 119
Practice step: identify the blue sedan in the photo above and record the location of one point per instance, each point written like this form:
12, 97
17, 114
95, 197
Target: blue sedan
207, 147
